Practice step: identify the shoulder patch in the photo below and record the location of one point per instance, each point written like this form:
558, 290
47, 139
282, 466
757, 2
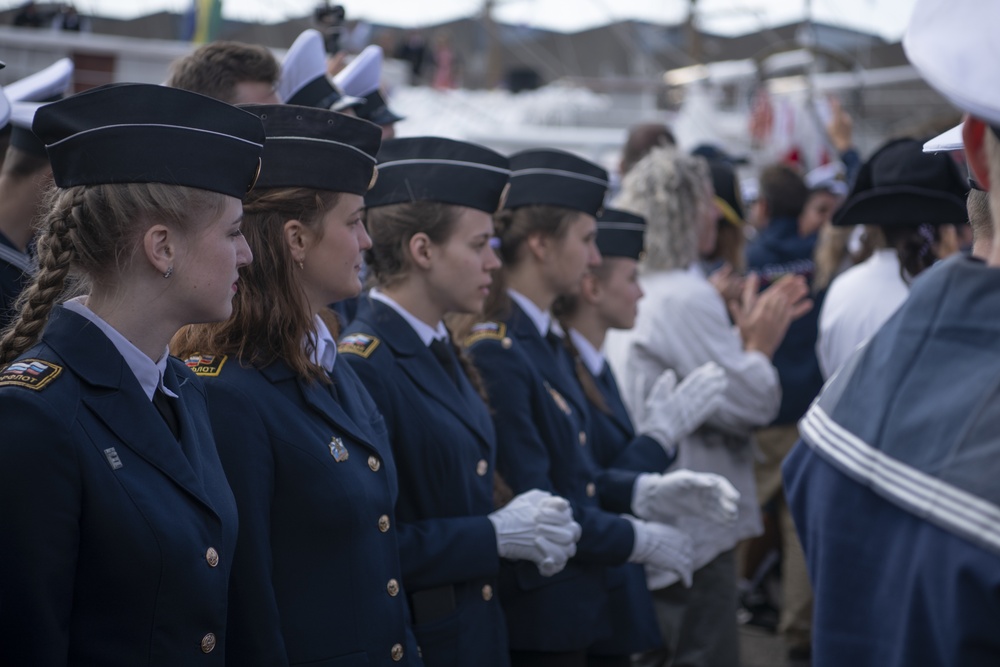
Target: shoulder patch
487, 331
361, 344
206, 365
30, 373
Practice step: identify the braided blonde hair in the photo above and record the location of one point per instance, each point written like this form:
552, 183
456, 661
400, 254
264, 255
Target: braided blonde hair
90, 234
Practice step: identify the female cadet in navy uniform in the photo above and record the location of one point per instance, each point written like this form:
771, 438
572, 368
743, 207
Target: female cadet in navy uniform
608, 298
547, 234
118, 525
430, 219
316, 579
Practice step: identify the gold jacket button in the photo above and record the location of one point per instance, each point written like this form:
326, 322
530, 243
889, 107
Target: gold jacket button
383, 523
208, 643
392, 587
374, 463
212, 557
591, 490
397, 652
482, 467
583, 438
506, 343
487, 592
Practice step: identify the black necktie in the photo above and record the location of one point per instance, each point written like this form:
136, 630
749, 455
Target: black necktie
165, 406
554, 340
442, 350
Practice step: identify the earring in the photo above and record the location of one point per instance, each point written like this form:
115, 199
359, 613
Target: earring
302, 266
169, 272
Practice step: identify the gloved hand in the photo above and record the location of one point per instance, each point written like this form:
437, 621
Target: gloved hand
539, 527
672, 411
680, 493
662, 547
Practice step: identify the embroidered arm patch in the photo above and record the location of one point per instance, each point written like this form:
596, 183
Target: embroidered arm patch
206, 365
30, 373
361, 344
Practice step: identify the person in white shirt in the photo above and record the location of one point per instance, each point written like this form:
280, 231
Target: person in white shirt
916, 198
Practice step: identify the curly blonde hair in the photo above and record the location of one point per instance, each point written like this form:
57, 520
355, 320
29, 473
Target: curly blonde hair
669, 189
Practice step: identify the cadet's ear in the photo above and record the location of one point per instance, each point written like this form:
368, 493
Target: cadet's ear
298, 238
158, 245
974, 137
421, 250
538, 243
590, 288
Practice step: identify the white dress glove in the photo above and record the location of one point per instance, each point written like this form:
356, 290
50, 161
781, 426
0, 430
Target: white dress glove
539, 527
661, 547
684, 493
672, 411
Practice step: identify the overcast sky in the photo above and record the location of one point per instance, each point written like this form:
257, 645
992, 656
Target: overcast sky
885, 17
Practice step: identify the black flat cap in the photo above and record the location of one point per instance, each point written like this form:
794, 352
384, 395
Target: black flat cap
141, 133
556, 178
620, 234
440, 170
316, 148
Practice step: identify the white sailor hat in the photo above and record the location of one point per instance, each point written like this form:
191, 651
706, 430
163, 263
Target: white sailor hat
48, 85
4, 108
22, 114
303, 78
946, 141
829, 177
556, 178
362, 75
140, 133
952, 45
439, 170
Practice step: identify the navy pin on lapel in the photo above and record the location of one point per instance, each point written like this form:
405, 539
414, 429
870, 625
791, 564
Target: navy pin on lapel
112, 456
337, 449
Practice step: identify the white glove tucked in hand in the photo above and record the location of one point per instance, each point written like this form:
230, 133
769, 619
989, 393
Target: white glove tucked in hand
539, 527
662, 547
672, 411
682, 493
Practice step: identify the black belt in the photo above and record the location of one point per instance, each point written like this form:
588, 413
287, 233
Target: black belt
432, 604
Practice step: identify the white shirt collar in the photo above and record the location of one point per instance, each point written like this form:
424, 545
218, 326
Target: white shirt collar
149, 373
592, 358
426, 332
542, 319
324, 353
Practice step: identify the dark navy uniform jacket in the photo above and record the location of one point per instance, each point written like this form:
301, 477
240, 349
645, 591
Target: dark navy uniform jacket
540, 416
15, 271
116, 540
445, 451
614, 444
894, 487
316, 579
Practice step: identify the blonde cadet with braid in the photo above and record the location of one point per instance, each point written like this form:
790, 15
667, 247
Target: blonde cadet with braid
430, 218
118, 524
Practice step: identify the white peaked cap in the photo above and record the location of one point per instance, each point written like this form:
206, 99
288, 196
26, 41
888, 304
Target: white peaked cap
946, 141
4, 108
361, 76
954, 46
830, 177
23, 113
53, 81
304, 63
